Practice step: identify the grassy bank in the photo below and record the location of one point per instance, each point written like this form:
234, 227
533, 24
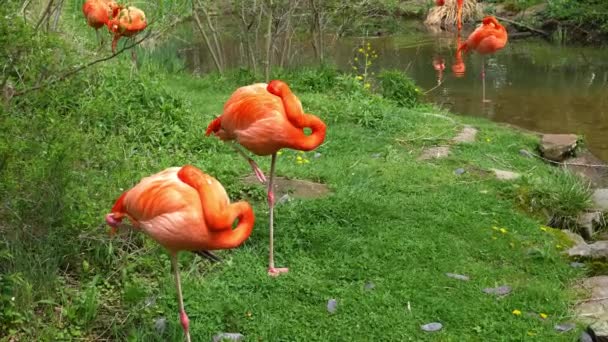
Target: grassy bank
391, 220
68, 151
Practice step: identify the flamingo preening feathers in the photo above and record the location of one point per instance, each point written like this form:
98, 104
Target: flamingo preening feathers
265, 118
184, 209
488, 38
129, 22
99, 12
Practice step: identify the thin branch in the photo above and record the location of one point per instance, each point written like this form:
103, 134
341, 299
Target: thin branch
529, 28
82, 67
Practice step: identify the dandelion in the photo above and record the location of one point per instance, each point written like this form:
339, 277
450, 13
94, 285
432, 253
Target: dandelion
279, 153
503, 230
488, 139
354, 67
543, 228
367, 85
543, 315
558, 246
298, 158
306, 161
516, 312
359, 77
361, 50
495, 228
356, 59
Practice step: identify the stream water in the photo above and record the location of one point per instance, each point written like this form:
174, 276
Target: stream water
530, 83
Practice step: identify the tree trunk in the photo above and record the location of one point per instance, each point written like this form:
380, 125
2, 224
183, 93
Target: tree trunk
207, 42
268, 42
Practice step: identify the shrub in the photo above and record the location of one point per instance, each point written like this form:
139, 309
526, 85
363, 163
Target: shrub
398, 87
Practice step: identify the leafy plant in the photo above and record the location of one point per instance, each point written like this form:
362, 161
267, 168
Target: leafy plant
398, 87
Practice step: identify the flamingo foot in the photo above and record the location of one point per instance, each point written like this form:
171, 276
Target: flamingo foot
258, 172
275, 272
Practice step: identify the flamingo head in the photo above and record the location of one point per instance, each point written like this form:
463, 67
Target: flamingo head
277, 87
113, 222
491, 20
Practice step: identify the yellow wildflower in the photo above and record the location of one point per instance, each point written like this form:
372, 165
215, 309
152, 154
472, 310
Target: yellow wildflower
359, 77
360, 49
543, 315
356, 59
516, 312
558, 246
298, 158
367, 85
306, 161
279, 153
495, 228
503, 230
299, 161
488, 139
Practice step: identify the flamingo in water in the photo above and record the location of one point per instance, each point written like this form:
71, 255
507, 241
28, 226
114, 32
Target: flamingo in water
184, 209
488, 38
99, 12
265, 118
459, 4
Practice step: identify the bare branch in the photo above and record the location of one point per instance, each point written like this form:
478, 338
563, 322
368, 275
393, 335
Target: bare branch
82, 67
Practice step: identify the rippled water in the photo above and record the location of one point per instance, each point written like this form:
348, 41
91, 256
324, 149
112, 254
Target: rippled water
532, 84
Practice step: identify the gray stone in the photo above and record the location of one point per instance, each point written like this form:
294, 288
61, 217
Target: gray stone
458, 276
332, 306
575, 264
284, 199
597, 250
600, 200
588, 223
160, 324
565, 327
585, 337
505, 175
435, 152
466, 135
594, 310
526, 153
432, 327
558, 147
296, 188
459, 171
376, 155
317, 155
228, 337
499, 291
369, 286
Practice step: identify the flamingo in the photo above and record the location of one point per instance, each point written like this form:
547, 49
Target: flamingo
459, 14
184, 209
440, 2
487, 39
128, 23
98, 13
439, 66
458, 67
265, 118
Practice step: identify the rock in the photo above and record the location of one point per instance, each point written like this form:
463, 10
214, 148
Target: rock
466, 135
458, 276
369, 286
594, 310
228, 337
505, 175
565, 327
596, 251
332, 306
284, 199
585, 337
435, 152
499, 291
585, 164
432, 327
600, 200
459, 171
526, 153
317, 155
160, 324
558, 147
296, 188
588, 223
376, 155
575, 264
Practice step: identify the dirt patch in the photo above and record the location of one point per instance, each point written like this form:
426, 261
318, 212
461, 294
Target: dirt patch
295, 188
435, 152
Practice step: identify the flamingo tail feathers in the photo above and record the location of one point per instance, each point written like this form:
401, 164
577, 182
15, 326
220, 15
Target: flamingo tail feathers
207, 255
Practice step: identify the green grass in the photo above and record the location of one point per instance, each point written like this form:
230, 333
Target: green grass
391, 220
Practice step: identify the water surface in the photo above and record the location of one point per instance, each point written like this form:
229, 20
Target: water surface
530, 83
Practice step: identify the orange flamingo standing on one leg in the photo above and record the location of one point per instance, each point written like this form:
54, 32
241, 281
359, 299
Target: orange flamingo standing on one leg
184, 209
98, 13
265, 118
458, 67
488, 38
459, 14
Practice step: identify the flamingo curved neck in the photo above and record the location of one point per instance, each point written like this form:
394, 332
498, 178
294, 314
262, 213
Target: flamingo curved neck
312, 141
232, 238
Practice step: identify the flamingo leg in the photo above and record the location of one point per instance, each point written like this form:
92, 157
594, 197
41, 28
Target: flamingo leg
133, 55
256, 169
459, 17
272, 271
483, 79
182, 313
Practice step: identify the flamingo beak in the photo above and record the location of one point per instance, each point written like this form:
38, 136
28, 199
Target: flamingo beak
113, 223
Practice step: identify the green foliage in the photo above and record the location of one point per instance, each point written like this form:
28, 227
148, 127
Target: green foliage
398, 87
586, 13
